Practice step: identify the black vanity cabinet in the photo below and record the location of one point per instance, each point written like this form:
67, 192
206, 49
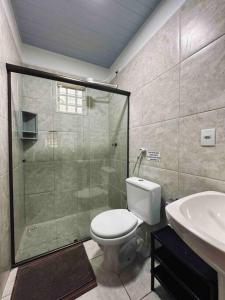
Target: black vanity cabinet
180, 270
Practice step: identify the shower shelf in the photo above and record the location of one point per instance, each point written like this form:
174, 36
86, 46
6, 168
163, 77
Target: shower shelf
29, 126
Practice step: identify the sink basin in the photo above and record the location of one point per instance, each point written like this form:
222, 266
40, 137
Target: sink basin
199, 219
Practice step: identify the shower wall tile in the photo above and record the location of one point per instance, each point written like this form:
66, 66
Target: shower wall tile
83, 171
160, 98
202, 22
18, 203
97, 124
39, 208
97, 173
99, 196
83, 145
65, 203
117, 113
40, 150
202, 79
65, 122
115, 175
3, 90
99, 145
65, 144
43, 109
65, 176
203, 161
190, 184
37, 88
39, 177
84, 203
118, 152
114, 198
17, 146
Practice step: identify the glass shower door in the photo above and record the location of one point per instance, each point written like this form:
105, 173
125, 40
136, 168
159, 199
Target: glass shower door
73, 170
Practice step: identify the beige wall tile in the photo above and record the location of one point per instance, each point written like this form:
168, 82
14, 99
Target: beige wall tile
166, 178
202, 80
195, 159
161, 98
159, 55
136, 104
190, 184
3, 146
202, 21
162, 137
135, 142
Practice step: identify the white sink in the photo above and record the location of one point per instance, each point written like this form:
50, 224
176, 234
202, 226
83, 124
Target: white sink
199, 220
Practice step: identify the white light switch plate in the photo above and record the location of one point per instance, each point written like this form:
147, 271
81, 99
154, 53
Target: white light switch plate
208, 137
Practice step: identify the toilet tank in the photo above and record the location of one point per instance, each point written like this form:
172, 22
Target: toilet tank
144, 199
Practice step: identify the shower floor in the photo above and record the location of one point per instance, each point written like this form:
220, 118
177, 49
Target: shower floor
46, 236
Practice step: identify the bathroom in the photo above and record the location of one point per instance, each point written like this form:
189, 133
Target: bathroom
112, 117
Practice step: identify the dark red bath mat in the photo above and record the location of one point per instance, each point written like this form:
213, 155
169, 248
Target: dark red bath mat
63, 275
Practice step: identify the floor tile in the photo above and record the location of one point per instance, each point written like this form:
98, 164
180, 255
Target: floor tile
92, 249
7, 298
159, 294
151, 296
10, 283
109, 285
137, 278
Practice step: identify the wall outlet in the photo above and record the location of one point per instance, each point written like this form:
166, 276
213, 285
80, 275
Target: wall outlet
208, 137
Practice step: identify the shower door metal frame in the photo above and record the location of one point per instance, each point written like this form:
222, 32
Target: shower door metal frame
51, 76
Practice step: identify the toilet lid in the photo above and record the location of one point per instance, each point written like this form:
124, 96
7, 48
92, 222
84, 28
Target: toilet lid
113, 223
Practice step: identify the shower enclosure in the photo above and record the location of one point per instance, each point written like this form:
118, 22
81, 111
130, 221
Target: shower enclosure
68, 151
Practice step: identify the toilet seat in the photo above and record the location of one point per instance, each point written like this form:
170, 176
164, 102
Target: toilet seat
113, 223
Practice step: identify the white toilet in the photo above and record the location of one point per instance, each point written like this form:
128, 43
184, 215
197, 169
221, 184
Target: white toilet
115, 230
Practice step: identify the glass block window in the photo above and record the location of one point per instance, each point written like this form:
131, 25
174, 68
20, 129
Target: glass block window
71, 99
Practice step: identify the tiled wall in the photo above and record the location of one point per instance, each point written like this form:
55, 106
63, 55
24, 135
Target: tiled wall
18, 155
118, 153
177, 84
65, 168
8, 53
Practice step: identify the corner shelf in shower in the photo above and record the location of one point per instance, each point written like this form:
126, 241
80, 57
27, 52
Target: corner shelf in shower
29, 126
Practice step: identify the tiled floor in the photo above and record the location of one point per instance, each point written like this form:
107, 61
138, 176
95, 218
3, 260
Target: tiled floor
9, 285
132, 284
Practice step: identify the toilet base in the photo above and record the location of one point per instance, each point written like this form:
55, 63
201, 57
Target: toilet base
118, 257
